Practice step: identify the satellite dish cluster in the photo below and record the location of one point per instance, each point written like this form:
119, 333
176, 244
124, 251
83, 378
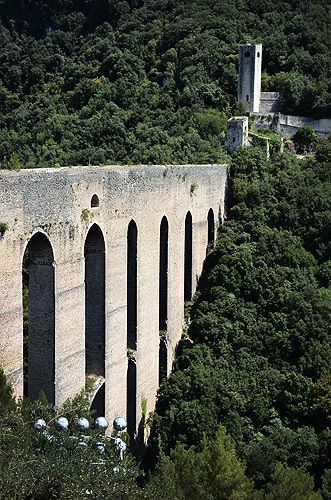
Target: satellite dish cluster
82, 425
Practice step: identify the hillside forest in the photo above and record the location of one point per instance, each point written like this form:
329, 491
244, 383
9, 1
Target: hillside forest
256, 356
245, 413
147, 81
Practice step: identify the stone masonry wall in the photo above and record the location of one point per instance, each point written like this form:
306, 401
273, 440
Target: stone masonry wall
287, 125
270, 102
57, 204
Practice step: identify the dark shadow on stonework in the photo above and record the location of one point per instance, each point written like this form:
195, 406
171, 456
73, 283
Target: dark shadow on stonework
132, 237
163, 275
95, 201
163, 359
188, 258
98, 403
94, 253
211, 230
138, 450
131, 399
39, 264
25, 292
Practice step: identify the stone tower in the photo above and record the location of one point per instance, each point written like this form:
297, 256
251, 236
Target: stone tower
237, 133
249, 80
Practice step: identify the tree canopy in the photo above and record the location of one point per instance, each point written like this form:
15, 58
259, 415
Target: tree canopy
259, 356
135, 81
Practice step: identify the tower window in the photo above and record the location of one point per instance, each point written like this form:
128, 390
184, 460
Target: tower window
247, 54
258, 54
247, 98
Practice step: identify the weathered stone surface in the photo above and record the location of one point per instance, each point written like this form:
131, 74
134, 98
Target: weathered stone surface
57, 204
249, 77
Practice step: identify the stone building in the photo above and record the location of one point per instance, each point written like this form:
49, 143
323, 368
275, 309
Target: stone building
249, 82
237, 133
266, 105
249, 78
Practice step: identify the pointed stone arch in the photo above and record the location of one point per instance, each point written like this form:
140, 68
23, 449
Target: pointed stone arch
132, 242
188, 257
95, 202
163, 275
39, 355
163, 298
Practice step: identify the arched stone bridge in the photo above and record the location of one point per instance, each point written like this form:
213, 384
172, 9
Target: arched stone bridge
113, 252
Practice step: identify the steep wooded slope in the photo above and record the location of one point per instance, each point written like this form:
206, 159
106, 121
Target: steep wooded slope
150, 81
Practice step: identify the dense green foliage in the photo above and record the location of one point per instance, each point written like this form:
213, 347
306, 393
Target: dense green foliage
215, 472
107, 81
52, 464
259, 358
135, 81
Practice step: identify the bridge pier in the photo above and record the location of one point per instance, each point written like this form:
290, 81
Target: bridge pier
69, 331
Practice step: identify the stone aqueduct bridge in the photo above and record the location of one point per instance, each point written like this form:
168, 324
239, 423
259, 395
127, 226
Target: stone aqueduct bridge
113, 253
